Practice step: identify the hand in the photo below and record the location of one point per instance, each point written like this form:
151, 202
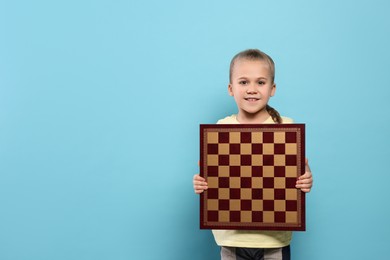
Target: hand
200, 184
305, 181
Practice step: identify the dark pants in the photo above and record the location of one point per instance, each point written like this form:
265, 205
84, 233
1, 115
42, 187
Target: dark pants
239, 253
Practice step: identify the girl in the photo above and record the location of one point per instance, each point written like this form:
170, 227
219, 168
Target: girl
251, 84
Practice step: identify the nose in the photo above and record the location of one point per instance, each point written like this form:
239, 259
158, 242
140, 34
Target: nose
252, 89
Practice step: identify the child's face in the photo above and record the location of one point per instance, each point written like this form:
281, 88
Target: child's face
251, 86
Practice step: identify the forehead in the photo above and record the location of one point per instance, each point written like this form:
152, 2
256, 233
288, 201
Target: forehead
251, 68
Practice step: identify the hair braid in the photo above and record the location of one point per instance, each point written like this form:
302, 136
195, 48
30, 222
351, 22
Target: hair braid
274, 114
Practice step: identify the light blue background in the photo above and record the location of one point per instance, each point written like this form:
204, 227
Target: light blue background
100, 106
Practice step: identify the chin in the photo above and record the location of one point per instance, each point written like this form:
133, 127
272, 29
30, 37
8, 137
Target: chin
253, 111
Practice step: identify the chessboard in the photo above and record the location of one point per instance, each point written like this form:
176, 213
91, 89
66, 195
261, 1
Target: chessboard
251, 171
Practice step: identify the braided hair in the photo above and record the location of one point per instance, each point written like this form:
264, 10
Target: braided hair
255, 54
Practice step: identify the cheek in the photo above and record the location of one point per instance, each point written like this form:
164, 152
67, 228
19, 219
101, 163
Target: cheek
235, 92
268, 93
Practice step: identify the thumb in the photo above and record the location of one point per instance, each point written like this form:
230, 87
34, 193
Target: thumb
307, 168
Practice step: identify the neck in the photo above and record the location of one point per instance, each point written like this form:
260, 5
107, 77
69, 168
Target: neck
249, 118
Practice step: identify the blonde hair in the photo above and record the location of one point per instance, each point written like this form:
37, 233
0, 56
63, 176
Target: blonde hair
255, 54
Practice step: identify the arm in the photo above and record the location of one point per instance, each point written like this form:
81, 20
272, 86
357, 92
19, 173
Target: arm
305, 181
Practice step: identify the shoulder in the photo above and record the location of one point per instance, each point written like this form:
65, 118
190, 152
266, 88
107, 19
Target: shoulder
287, 120
228, 120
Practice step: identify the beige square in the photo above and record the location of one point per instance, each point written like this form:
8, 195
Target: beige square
235, 182
246, 194
246, 148
279, 159
257, 182
235, 159
268, 171
257, 205
291, 217
279, 137
268, 194
291, 149
292, 194
268, 217
223, 171
246, 216
279, 182
212, 137
212, 182
212, 204
292, 171
280, 205
224, 216
223, 193
223, 149
268, 149
212, 159
234, 137
257, 137
246, 171
257, 160
235, 205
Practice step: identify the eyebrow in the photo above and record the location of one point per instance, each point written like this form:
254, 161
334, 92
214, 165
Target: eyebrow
256, 79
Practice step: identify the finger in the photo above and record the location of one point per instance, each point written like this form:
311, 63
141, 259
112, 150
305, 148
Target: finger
307, 167
305, 185
199, 189
306, 175
305, 180
197, 177
200, 179
200, 183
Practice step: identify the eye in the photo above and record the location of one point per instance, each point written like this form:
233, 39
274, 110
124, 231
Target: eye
243, 82
261, 82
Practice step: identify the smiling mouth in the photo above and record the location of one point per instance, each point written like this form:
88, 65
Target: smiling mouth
252, 99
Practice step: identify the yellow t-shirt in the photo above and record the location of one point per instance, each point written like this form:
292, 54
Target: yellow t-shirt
249, 238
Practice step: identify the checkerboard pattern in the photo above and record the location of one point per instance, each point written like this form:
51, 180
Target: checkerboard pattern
251, 171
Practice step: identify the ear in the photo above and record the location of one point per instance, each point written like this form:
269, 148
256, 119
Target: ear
230, 89
273, 90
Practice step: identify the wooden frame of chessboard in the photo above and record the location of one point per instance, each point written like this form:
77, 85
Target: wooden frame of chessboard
251, 171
